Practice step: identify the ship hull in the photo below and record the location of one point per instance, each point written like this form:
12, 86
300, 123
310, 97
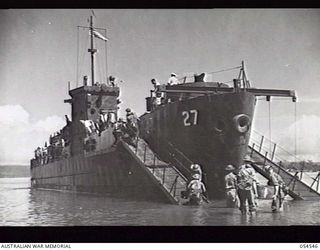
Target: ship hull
112, 172
205, 130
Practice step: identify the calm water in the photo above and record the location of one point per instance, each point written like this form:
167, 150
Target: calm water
21, 205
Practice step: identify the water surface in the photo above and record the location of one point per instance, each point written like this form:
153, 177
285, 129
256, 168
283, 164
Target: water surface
21, 205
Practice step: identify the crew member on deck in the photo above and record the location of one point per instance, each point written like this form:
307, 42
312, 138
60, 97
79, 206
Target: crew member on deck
112, 80
173, 80
156, 84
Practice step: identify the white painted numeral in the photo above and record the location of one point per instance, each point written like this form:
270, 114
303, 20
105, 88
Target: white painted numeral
195, 116
187, 120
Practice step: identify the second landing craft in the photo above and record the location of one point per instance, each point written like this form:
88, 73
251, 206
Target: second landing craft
208, 122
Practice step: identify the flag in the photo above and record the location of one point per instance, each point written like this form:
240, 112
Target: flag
98, 35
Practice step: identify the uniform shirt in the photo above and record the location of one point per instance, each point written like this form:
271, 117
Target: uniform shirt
132, 118
245, 178
157, 84
231, 181
276, 180
196, 186
173, 80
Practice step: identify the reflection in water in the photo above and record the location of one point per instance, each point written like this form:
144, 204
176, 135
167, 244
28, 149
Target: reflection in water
22, 206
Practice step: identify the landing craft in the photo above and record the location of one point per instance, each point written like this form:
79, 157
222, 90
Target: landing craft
207, 123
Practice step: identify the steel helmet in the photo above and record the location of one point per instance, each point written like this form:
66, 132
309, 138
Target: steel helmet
230, 168
267, 168
195, 166
128, 110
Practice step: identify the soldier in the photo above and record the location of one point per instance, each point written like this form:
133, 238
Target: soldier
112, 80
132, 123
196, 188
231, 187
156, 84
118, 130
45, 153
173, 80
244, 186
37, 154
279, 189
111, 119
254, 191
196, 169
102, 122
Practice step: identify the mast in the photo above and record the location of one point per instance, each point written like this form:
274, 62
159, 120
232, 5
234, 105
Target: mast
92, 51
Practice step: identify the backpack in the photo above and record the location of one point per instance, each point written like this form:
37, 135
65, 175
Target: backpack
245, 181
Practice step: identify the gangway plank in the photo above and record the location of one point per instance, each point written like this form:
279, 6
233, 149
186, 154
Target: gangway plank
164, 175
297, 189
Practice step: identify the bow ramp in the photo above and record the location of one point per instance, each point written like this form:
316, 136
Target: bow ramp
263, 152
166, 176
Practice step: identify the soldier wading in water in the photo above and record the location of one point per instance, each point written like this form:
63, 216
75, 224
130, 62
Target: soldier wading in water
247, 189
195, 188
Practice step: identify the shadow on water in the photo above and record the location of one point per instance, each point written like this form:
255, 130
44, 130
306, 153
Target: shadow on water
21, 205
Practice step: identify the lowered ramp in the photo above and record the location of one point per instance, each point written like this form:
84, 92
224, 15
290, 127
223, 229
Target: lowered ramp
167, 177
261, 156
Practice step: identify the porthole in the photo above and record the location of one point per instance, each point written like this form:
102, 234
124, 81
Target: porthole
220, 126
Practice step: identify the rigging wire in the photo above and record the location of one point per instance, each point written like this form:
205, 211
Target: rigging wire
83, 55
214, 72
106, 55
99, 68
270, 125
77, 70
187, 75
295, 131
228, 81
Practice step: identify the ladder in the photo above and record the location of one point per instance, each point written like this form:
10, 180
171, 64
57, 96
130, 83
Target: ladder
263, 152
169, 179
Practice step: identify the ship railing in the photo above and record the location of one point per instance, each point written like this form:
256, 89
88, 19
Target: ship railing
148, 155
190, 76
273, 152
180, 158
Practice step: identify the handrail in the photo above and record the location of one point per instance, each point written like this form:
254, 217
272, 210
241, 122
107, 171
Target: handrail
174, 185
292, 177
182, 165
173, 157
185, 158
254, 141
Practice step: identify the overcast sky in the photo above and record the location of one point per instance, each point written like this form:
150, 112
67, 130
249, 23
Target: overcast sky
38, 56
